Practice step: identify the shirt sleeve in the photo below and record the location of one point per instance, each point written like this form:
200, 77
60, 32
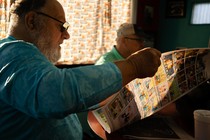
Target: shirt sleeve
31, 84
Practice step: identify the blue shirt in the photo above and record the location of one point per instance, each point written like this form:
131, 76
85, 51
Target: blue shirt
38, 101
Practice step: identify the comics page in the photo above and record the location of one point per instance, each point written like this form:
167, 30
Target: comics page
180, 72
120, 111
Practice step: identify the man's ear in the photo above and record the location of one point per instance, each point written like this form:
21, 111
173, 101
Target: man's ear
30, 20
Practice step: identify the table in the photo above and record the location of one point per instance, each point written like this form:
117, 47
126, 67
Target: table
151, 126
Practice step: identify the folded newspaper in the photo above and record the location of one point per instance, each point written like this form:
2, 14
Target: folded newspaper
180, 72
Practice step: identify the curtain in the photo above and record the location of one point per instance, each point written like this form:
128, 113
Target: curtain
93, 25
4, 17
93, 28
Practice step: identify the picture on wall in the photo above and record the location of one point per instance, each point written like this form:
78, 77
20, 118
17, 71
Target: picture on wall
175, 8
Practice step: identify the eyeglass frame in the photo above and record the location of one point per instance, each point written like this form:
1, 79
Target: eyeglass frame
65, 25
137, 39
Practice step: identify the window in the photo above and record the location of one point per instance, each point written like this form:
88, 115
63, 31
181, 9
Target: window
201, 13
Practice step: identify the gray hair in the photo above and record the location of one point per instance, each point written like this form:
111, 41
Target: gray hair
22, 7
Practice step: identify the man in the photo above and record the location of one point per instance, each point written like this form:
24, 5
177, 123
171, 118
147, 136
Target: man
130, 39
38, 100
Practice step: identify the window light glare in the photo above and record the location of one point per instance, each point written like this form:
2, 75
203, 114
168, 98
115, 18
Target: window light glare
201, 13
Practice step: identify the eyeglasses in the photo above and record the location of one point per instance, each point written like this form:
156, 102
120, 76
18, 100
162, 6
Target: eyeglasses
137, 39
65, 25
141, 40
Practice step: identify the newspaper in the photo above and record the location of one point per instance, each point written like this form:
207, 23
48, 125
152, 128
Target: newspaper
180, 72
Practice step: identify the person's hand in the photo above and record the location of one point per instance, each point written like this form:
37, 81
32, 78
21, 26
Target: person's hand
145, 62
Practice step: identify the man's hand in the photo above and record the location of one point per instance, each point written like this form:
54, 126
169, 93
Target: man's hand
145, 62
141, 64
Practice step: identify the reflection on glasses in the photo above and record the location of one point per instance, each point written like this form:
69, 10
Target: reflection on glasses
65, 25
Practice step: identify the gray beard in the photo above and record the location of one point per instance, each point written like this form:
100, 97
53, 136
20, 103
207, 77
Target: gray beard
51, 54
43, 42
44, 45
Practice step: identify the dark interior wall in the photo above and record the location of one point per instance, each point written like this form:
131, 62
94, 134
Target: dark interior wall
178, 32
